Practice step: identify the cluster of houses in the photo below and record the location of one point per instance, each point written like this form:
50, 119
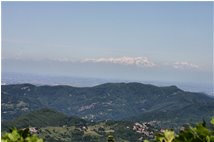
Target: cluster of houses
32, 130
144, 128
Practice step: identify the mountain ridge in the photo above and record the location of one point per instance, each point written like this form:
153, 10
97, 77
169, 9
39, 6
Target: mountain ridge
109, 101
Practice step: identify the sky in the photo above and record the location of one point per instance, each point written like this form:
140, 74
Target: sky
157, 41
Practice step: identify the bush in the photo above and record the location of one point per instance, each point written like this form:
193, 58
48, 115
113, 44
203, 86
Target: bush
20, 136
199, 133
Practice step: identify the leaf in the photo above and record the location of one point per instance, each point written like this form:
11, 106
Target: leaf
212, 121
212, 138
201, 130
20, 136
40, 140
169, 135
207, 139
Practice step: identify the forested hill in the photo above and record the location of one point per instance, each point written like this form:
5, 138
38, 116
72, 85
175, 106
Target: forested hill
111, 101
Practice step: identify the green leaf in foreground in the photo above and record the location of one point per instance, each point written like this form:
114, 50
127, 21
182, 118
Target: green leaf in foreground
199, 133
166, 136
212, 121
20, 136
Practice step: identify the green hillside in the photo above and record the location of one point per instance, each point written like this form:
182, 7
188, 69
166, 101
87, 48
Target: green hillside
111, 101
42, 118
39, 118
56, 127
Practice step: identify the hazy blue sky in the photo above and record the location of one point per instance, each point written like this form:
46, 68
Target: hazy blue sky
165, 41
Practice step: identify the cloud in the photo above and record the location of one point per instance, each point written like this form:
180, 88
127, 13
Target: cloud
185, 65
138, 61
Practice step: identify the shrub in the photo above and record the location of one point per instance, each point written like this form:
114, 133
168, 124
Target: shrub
20, 136
198, 133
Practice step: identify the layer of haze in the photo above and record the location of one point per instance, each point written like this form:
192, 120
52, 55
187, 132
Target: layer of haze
174, 40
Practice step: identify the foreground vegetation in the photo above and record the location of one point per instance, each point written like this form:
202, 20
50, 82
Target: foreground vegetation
20, 136
198, 133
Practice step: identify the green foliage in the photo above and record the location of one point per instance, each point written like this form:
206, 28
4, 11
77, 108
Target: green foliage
166, 136
199, 133
20, 136
212, 121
